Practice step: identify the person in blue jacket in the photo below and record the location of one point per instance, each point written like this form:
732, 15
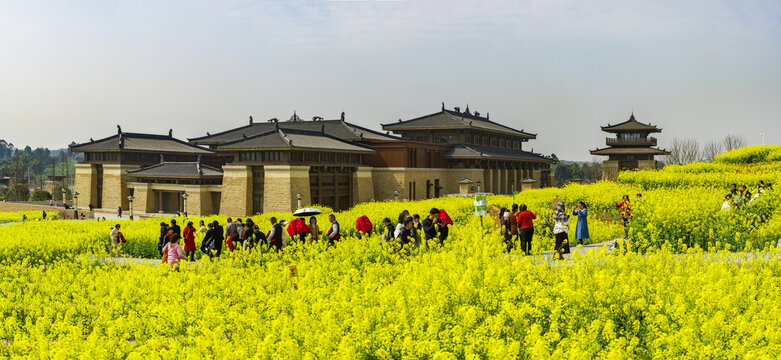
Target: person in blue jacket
581, 231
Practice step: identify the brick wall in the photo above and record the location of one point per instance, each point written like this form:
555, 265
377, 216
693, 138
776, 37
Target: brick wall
281, 184
86, 184
236, 196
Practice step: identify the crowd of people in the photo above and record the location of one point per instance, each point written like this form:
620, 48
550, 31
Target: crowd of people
517, 225
739, 198
409, 231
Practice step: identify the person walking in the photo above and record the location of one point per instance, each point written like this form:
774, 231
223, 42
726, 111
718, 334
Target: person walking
172, 253
333, 233
388, 230
504, 216
177, 229
514, 235
314, 230
206, 244
247, 234
560, 230
115, 239
258, 237
276, 236
526, 222
430, 223
119, 212
216, 245
444, 222
189, 241
161, 239
581, 229
231, 233
405, 236
626, 213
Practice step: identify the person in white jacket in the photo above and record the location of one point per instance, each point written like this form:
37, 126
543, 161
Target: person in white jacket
115, 238
560, 230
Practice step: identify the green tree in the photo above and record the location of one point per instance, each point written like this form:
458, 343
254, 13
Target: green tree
40, 195
17, 192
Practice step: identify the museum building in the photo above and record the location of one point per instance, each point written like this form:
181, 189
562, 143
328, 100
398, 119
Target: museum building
273, 165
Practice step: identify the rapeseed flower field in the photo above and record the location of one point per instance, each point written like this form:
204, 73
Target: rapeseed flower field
696, 282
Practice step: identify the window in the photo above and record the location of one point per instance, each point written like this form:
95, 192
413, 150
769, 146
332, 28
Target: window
272, 156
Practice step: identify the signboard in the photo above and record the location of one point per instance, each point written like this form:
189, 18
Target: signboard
481, 205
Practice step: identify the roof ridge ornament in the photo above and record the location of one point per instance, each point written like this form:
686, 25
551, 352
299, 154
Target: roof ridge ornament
443, 106
487, 115
250, 119
170, 132
342, 116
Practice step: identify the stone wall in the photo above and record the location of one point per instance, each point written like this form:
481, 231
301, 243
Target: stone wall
115, 189
236, 197
647, 164
363, 185
86, 184
281, 185
199, 201
388, 180
144, 198
610, 170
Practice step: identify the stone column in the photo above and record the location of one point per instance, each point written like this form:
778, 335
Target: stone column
363, 185
86, 184
610, 170
502, 181
145, 198
281, 184
236, 197
537, 176
199, 200
115, 190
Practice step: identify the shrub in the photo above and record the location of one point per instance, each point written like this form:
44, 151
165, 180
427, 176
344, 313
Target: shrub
40, 195
17, 192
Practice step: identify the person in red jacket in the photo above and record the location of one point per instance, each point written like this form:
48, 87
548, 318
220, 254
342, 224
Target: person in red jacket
526, 225
626, 212
189, 241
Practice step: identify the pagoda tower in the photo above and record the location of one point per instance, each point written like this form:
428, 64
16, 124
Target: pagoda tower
632, 148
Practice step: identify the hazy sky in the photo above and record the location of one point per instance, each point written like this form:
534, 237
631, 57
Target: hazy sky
71, 70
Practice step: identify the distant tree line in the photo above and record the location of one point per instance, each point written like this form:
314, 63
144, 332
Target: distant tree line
567, 171
32, 167
686, 151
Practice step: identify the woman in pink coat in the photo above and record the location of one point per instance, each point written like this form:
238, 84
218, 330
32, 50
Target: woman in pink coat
174, 252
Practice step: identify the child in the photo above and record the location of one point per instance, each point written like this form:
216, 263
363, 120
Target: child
174, 251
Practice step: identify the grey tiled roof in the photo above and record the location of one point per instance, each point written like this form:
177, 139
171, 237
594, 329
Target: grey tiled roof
286, 139
629, 151
177, 169
448, 119
141, 142
488, 153
631, 125
336, 128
